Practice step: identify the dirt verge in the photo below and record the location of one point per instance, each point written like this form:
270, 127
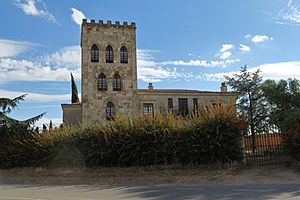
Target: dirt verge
154, 175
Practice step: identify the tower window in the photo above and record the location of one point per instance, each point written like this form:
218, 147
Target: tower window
102, 86
123, 55
183, 106
117, 82
110, 111
109, 54
94, 53
148, 109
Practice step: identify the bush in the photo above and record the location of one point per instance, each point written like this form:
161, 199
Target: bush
292, 142
213, 136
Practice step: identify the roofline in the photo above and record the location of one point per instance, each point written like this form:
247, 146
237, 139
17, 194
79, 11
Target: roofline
180, 91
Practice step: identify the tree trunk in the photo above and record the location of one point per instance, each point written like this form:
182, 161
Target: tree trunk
252, 123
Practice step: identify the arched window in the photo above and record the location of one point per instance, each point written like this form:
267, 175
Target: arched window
109, 54
102, 86
110, 111
123, 55
94, 53
117, 82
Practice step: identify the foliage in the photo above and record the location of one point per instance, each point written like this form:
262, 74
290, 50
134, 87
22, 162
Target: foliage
75, 98
212, 137
251, 104
284, 98
9, 125
7, 104
292, 141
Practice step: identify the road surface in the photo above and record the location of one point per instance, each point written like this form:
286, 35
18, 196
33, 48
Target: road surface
158, 192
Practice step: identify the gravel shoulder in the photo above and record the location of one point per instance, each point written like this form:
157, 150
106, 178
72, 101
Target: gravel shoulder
156, 175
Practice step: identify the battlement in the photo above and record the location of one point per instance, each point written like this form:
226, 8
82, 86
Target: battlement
108, 24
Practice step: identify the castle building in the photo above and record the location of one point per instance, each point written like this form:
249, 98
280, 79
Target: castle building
109, 80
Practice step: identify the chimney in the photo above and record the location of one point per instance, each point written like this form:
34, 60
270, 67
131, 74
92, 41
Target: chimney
150, 86
223, 87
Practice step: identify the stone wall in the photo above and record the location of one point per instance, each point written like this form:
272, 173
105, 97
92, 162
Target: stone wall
93, 101
159, 98
72, 114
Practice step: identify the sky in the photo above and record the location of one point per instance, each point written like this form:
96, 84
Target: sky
183, 44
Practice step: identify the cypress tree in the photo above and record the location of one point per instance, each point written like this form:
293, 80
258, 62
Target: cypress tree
44, 128
75, 98
50, 125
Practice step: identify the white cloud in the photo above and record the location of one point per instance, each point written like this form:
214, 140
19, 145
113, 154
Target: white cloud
226, 47
225, 55
55, 66
11, 48
35, 97
145, 58
248, 36
68, 57
260, 38
290, 14
150, 71
276, 71
25, 70
202, 63
244, 48
224, 52
77, 16
30, 7
216, 76
150, 74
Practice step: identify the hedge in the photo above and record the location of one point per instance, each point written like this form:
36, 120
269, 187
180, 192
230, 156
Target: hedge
213, 136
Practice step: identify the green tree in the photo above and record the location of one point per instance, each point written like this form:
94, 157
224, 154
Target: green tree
75, 98
251, 104
284, 99
6, 122
50, 125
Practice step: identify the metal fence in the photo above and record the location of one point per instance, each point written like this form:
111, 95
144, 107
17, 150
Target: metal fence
265, 149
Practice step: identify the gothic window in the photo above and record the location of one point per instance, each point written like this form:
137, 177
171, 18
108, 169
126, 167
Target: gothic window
123, 55
94, 53
117, 82
109, 54
102, 86
148, 109
183, 106
170, 103
110, 111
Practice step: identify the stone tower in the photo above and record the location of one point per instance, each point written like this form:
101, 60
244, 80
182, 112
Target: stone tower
109, 70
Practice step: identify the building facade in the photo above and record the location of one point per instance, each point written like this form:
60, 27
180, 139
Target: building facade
109, 80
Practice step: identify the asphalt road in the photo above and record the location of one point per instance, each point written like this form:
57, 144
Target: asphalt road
159, 192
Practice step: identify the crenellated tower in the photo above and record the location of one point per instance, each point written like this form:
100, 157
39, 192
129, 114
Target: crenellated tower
109, 70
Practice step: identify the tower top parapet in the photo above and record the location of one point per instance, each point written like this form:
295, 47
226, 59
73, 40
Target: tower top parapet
108, 24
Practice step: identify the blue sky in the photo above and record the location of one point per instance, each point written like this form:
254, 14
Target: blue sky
187, 44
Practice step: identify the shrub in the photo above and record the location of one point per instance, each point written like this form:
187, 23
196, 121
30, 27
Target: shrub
206, 137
